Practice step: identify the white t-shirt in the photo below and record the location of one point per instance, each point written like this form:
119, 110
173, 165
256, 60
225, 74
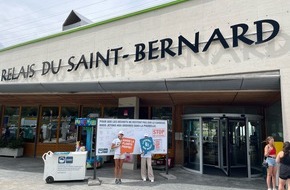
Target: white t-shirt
117, 141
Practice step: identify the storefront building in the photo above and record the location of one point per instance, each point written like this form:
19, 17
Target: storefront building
217, 70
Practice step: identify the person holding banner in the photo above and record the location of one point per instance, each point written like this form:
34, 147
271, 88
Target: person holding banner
118, 157
146, 146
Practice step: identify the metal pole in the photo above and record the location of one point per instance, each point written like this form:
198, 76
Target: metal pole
35, 142
167, 163
95, 167
95, 181
95, 155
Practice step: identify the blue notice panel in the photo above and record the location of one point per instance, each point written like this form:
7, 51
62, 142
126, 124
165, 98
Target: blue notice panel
147, 144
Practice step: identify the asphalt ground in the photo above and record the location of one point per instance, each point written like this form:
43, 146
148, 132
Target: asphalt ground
27, 174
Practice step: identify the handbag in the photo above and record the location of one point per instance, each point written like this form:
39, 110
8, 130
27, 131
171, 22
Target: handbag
265, 163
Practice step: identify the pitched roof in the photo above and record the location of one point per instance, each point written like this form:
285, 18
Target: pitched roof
73, 18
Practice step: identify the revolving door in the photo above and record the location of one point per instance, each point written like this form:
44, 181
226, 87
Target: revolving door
227, 143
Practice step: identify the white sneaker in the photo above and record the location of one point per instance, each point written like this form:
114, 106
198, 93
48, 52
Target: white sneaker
144, 179
152, 180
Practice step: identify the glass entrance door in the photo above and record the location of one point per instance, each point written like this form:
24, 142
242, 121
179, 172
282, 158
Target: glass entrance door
237, 147
231, 155
192, 142
228, 143
210, 130
224, 150
254, 146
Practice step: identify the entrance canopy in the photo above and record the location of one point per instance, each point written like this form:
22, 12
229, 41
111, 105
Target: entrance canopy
253, 87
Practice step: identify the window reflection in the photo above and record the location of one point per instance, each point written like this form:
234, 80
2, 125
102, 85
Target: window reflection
67, 130
91, 112
10, 122
49, 123
191, 143
28, 123
111, 112
164, 113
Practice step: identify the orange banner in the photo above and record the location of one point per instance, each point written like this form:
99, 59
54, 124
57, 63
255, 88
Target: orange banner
127, 145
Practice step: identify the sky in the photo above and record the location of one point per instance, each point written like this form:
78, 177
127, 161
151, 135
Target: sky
24, 20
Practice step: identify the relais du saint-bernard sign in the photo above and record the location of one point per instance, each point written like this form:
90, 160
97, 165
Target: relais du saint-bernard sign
152, 50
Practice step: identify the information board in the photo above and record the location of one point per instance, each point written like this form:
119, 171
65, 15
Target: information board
108, 129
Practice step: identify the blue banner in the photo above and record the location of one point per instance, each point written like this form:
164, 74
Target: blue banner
85, 122
147, 144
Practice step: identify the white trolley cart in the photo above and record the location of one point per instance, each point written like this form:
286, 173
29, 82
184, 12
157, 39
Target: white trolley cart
64, 166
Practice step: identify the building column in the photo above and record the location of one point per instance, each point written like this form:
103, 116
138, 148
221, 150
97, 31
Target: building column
132, 102
285, 102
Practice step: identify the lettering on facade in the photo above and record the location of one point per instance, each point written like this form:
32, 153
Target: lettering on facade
156, 49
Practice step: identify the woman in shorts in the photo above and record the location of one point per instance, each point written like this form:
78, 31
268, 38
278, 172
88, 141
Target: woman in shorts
118, 157
270, 154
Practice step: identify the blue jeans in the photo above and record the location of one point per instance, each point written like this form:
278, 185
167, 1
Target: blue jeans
271, 161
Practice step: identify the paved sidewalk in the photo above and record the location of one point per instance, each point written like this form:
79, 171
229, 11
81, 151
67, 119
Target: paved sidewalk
27, 174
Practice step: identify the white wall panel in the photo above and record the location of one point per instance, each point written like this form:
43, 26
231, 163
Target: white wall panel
183, 19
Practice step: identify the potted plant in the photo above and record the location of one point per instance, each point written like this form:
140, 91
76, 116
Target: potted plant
11, 147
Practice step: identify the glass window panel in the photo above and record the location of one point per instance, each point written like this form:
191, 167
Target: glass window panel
10, 122
191, 143
67, 130
49, 124
273, 122
254, 127
91, 112
28, 123
164, 113
210, 143
143, 113
111, 112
